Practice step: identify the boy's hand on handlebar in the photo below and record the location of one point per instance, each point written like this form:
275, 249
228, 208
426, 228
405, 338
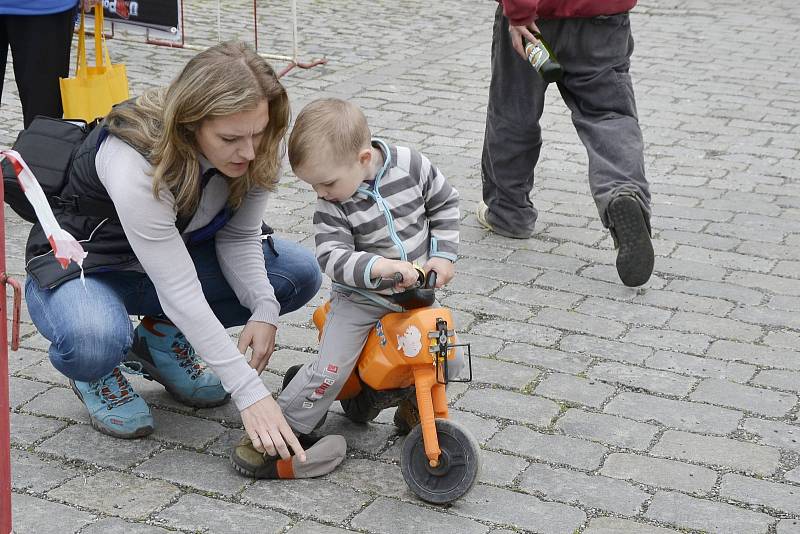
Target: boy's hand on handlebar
269, 431
261, 338
445, 270
386, 268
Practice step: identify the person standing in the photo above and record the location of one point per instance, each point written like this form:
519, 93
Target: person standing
39, 33
592, 41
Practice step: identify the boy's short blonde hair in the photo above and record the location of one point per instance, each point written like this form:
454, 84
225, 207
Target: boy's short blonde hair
329, 127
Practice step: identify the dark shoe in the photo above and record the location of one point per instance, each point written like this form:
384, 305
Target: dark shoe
321, 458
406, 416
631, 235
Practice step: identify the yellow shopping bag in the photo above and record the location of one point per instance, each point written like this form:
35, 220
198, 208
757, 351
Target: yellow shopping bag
93, 90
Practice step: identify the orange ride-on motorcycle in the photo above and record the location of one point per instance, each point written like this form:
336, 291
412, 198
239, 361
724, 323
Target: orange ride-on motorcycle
407, 353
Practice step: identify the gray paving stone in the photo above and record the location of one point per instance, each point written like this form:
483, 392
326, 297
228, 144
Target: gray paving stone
366, 438
389, 516
117, 494
607, 429
32, 515
668, 339
774, 433
22, 390
714, 326
709, 516
700, 366
82, 442
549, 448
731, 260
547, 358
465, 283
613, 525
500, 469
755, 354
606, 349
517, 510
594, 491
500, 271
576, 284
578, 322
36, 474
682, 301
481, 346
27, 429
718, 451
766, 316
201, 471
643, 378
673, 413
659, 472
310, 498
775, 284
509, 405
489, 306
188, 431
491, 371
113, 525
549, 262
61, 403
536, 296
756, 400
783, 497
517, 331
373, 477
196, 512
775, 378
43, 371
310, 527
717, 290
574, 389
624, 311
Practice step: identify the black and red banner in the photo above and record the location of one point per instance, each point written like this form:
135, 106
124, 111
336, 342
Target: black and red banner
157, 14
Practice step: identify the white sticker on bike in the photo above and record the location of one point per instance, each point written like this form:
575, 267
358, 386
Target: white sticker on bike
410, 342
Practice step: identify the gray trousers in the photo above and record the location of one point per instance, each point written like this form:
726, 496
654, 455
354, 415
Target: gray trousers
316, 385
596, 86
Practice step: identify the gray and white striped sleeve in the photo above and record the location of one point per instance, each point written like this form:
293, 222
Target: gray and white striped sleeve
335, 248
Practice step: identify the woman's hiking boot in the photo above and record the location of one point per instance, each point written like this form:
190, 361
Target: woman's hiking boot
166, 356
114, 408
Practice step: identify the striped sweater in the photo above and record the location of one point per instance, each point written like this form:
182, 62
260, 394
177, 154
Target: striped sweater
408, 212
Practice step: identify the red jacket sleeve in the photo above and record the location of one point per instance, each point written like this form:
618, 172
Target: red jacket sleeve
520, 12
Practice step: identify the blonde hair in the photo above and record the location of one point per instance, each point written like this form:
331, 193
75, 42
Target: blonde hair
331, 127
223, 80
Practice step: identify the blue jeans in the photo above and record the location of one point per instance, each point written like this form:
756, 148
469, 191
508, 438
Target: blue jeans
90, 329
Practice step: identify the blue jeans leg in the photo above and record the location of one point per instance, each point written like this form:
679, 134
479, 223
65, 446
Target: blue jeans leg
88, 327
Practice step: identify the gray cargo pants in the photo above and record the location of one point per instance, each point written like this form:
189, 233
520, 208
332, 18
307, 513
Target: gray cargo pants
316, 385
595, 55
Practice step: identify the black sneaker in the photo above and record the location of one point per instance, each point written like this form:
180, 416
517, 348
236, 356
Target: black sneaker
631, 235
406, 416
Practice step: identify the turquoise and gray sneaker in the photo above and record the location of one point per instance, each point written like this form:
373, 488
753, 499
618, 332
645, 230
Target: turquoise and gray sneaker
114, 408
166, 356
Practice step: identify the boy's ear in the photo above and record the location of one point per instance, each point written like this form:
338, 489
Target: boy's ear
365, 156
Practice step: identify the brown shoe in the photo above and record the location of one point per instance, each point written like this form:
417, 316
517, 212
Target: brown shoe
406, 416
321, 458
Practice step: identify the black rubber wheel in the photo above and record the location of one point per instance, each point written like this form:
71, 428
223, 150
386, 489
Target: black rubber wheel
459, 463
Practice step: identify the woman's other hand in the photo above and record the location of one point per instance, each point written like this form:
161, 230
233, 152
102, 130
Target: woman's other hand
260, 337
269, 431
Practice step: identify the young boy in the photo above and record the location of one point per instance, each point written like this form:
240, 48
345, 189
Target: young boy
380, 210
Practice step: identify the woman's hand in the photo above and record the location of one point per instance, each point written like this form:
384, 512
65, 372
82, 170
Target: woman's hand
261, 338
445, 270
269, 431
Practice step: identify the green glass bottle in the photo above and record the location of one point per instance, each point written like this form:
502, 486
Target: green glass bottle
543, 60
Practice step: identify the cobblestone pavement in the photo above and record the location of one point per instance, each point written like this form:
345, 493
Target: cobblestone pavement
598, 408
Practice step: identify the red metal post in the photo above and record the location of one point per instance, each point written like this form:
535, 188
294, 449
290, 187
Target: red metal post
5, 426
